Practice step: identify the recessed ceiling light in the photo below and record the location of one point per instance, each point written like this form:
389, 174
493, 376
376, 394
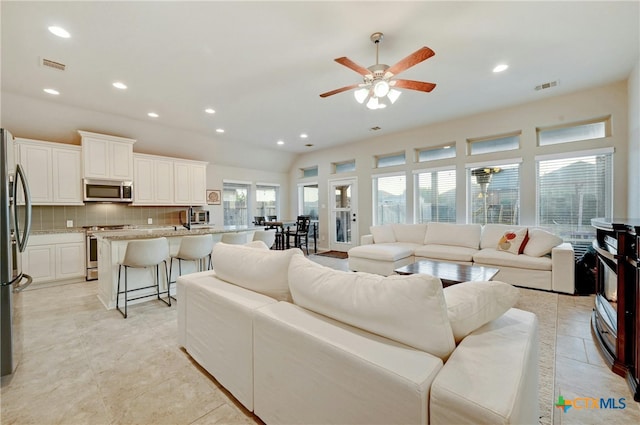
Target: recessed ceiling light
500, 68
59, 31
153, 115
210, 111
304, 136
219, 130
280, 142
119, 85
52, 91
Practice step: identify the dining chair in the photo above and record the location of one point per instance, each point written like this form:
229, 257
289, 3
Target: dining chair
300, 233
258, 220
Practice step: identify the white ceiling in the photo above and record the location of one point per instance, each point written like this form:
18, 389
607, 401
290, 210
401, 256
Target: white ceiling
262, 65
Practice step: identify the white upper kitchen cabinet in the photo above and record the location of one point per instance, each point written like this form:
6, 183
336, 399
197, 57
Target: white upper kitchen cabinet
52, 170
107, 157
190, 182
153, 180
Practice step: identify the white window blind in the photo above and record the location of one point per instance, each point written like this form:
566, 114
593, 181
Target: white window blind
436, 196
390, 199
571, 191
235, 200
494, 194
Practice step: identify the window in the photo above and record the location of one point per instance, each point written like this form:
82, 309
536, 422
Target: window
310, 172
390, 160
573, 190
574, 132
436, 196
390, 199
494, 193
432, 154
344, 167
267, 199
235, 200
308, 200
505, 142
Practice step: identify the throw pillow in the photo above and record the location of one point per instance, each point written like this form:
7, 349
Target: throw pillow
512, 240
260, 270
473, 304
407, 309
382, 234
541, 243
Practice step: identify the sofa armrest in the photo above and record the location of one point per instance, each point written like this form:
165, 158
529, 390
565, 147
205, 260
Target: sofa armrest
563, 269
366, 240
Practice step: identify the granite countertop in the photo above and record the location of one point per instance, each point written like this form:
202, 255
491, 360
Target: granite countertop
169, 231
57, 231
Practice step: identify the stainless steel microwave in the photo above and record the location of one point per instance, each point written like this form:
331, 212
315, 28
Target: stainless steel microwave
108, 191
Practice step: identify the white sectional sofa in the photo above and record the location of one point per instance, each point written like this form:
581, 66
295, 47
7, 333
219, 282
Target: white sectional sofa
296, 342
545, 262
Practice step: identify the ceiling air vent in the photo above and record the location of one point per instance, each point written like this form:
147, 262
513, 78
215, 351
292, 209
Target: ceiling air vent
53, 64
376, 128
547, 85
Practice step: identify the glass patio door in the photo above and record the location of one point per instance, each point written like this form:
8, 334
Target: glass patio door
343, 215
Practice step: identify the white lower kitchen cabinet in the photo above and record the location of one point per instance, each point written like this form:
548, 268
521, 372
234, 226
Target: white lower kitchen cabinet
55, 257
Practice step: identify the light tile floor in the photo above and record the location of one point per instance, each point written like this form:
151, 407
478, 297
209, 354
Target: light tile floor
82, 364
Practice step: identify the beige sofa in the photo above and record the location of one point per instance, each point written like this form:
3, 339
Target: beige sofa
545, 262
296, 342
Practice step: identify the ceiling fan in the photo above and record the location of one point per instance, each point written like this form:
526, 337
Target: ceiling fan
379, 86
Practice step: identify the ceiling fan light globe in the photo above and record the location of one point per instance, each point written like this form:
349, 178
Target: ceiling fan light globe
361, 95
372, 103
381, 88
394, 95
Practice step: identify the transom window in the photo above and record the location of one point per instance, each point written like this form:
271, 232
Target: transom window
390, 160
344, 167
440, 152
505, 142
310, 172
574, 132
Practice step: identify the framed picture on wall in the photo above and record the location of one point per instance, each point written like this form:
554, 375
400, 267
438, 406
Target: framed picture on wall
213, 197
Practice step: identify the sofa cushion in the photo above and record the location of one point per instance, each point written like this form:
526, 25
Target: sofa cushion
472, 304
262, 271
445, 252
382, 234
408, 309
384, 252
541, 243
493, 257
451, 234
257, 244
512, 241
491, 234
413, 233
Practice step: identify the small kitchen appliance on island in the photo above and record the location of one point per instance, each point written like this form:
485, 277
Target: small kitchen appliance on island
15, 224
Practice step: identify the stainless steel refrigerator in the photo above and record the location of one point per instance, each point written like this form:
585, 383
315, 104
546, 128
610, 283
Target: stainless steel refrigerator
15, 224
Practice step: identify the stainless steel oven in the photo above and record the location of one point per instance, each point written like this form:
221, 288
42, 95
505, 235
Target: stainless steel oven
92, 247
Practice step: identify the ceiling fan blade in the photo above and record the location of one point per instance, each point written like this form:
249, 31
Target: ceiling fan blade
411, 60
340, 90
413, 85
352, 65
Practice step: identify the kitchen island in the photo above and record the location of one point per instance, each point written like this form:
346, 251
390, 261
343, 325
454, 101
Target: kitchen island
112, 246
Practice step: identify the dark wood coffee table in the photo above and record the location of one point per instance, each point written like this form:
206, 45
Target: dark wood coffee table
449, 273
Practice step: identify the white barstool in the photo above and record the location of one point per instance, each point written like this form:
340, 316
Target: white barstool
141, 254
234, 238
266, 236
193, 248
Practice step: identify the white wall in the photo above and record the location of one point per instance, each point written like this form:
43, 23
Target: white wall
633, 210
593, 103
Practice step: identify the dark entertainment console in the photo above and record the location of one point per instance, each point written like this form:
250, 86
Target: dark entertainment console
615, 322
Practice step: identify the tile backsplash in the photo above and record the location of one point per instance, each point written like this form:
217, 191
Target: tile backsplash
54, 217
